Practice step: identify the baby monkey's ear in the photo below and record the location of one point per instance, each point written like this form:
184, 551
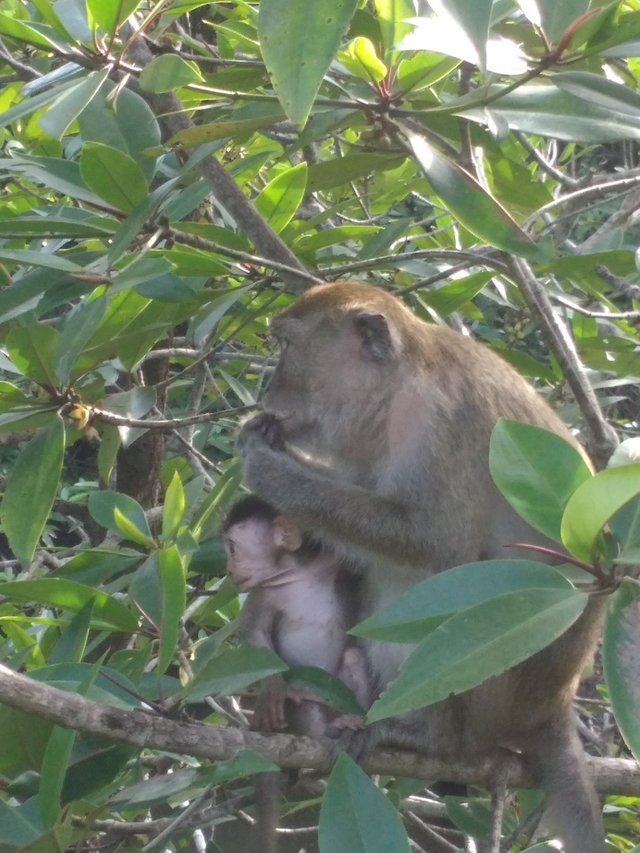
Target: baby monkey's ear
286, 533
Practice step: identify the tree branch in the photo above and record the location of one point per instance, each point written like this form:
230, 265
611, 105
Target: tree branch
144, 729
603, 439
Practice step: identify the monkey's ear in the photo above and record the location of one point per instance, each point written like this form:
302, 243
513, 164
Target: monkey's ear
373, 331
286, 533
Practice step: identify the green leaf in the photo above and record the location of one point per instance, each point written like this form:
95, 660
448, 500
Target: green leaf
280, 199
422, 608
359, 57
392, 17
22, 32
470, 204
311, 32
113, 176
32, 349
53, 771
225, 486
153, 791
208, 317
125, 122
192, 136
174, 598
552, 17
30, 490
76, 330
167, 73
103, 504
329, 688
131, 404
130, 530
40, 259
473, 18
173, 509
71, 596
536, 471
593, 504
480, 642
452, 296
73, 640
61, 113
544, 110
109, 15
620, 657
356, 816
245, 763
233, 670
595, 89
20, 825
336, 172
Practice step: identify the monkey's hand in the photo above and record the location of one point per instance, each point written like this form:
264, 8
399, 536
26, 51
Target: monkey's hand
263, 427
269, 715
269, 470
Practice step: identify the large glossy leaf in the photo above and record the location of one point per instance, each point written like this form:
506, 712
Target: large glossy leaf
423, 607
113, 175
125, 122
11, 26
72, 596
233, 670
356, 816
280, 199
536, 471
76, 330
312, 33
31, 488
199, 134
66, 107
550, 111
103, 504
21, 825
470, 204
621, 659
473, 18
593, 504
56, 174
334, 173
173, 590
481, 641
167, 73
173, 507
109, 15
598, 90
553, 17
33, 350
360, 57
54, 768
73, 639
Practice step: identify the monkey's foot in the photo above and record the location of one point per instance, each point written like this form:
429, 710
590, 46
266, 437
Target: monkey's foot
351, 722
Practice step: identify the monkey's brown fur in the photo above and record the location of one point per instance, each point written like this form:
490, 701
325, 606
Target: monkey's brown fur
387, 422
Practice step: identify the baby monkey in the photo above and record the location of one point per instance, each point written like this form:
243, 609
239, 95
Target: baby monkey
300, 604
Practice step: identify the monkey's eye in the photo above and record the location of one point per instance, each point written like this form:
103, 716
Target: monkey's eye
231, 548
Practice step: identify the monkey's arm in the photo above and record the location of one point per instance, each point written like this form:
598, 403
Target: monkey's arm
375, 523
257, 626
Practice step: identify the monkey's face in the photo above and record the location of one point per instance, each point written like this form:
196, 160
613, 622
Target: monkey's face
326, 363
251, 555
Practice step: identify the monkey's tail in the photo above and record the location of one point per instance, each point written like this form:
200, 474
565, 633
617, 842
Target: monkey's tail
572, 809
267, 788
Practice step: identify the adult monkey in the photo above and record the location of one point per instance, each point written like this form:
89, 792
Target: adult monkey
387, 421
